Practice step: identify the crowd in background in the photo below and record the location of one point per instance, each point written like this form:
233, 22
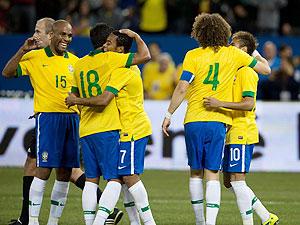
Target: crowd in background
272, 17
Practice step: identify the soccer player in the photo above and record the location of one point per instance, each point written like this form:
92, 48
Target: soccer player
126, 85
99, 127
50, 71
42, 30
242, 135
208, 71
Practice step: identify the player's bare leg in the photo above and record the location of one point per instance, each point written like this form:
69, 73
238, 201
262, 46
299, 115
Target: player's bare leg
137, 191
212, 196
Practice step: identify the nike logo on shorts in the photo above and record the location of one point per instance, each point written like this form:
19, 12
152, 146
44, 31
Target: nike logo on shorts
121, 167
232, 165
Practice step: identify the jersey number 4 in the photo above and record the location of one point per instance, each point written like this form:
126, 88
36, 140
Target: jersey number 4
214, 80
92, 79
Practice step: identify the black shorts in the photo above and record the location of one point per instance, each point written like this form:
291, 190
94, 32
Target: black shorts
31, 150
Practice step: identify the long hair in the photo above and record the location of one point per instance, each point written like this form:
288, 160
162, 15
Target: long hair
211, 30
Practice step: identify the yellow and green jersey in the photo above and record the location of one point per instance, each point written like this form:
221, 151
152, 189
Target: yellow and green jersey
212, 74
127, 85
92, 74
51, 77
244, 129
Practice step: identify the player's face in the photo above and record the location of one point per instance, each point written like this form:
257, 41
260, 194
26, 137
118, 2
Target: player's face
110, 44
61, 38
42, 39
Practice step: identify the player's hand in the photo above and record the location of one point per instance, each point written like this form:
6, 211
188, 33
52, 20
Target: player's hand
70, 100
165, 126
30, 44
129, 32
210, 102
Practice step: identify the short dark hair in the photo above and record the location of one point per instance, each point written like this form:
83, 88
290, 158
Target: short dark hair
99, 34
211, 30
246, 39
123, 40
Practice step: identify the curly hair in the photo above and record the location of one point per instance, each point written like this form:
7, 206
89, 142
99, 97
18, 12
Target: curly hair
211, 30
246, 39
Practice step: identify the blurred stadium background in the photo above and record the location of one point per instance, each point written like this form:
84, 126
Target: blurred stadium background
165, 25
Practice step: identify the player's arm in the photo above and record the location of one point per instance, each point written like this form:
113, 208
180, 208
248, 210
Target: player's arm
142, 55
262, 65
95, 101
246, 104
10, 69
177, 98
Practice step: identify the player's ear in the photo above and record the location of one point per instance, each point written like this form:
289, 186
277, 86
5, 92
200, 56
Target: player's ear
50, 35
120, 49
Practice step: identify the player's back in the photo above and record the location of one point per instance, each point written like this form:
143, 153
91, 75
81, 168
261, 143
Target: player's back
213, 74
244, 129
130, 102
92, 74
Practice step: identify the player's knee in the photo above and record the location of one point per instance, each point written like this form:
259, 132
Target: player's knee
131, 180
63, 174
30, 166
76, 173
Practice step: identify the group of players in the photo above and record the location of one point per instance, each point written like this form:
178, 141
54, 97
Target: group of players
218, 81
107, 73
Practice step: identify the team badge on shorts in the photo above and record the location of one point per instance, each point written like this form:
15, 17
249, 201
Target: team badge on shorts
45, 156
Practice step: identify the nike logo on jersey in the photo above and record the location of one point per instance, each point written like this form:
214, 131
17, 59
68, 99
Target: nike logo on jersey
121, 167
232, 165
44, 65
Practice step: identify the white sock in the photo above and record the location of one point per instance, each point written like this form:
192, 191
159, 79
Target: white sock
89, 202
196, 191
58, 200
130, 207
243, 200
36, 193
107, 202
213, 198
258, 207
140, 197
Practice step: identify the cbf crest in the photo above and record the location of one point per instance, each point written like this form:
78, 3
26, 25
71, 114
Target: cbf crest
45, 156
71, 69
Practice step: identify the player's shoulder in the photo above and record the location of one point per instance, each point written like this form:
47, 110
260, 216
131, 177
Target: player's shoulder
34, 53
194, 51
247, 71
72, 56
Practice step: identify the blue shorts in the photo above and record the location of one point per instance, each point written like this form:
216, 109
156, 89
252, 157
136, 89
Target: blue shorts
101, 154
205, 143
237, 158
132, 155
57, 140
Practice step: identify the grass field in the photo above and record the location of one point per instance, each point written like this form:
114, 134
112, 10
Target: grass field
169, 198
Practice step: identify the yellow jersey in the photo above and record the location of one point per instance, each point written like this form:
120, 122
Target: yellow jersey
244, 129
92, 73
51, 77
159, 85
127, 85
212, 74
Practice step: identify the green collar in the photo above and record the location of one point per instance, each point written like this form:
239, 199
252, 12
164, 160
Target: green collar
49, 53
95, 52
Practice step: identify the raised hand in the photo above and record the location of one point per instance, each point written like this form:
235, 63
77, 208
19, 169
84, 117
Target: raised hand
30, 44
129, 32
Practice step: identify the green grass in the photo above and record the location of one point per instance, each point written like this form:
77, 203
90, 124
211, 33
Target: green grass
169, 198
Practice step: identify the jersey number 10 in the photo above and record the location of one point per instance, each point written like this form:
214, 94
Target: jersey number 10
214, 81
92, 79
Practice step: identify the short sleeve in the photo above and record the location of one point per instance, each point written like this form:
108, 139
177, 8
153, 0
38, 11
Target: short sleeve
24, 64
74, 84
119, 78
118, 60
243, 59
249, 82
188, 69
